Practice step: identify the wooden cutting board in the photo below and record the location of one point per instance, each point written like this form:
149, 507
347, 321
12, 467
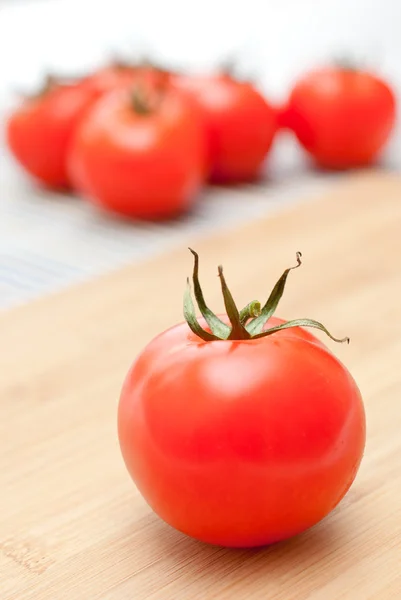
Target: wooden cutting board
72, 525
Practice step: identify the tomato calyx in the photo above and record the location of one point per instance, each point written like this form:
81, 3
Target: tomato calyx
246, 324
141, 100
49, 83
230, 69
147, 96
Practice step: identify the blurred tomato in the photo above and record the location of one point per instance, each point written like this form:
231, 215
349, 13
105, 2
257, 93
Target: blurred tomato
39, 130
140, 155
239, 122
342, 117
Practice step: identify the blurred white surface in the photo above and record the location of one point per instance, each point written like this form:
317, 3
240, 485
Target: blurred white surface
53, 242
48, 242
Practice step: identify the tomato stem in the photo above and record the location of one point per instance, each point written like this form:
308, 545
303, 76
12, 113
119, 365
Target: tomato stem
229, 67
217, 326
190, 317
346, 63
249, 323
50, 82
140, 101
238, 330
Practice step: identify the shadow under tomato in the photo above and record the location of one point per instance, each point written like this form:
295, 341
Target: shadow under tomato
376, 165
49, 193
263, 177
187, 564
101, 215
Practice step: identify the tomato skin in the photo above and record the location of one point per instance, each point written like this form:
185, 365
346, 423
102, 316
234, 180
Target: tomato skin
146, 166
342, 117
39, 131
239, 122
241, 443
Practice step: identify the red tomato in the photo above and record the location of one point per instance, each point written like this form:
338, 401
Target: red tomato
342, 117
39, 131
241, 442
143, 161
240, 125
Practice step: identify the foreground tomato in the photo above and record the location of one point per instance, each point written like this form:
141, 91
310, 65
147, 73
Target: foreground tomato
342, 117
140, 156
244, 436
39, 131
239, 122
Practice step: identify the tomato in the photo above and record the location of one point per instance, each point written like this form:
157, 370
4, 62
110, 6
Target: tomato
240, 124
342, 117
242, 441
39, 130
140, 157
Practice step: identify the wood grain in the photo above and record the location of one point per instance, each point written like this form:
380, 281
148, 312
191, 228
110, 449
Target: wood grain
72, 525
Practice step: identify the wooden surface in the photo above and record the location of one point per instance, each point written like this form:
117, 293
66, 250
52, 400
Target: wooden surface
72, 525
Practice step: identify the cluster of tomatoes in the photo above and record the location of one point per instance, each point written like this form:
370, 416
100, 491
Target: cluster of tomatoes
141, 141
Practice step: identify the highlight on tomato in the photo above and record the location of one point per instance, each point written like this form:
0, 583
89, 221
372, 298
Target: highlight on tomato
240, 124
244, 429
343, 116
140, 153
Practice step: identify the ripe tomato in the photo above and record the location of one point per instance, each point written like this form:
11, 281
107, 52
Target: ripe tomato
242, 441
39, 130
140, 157
342, 117
240, 124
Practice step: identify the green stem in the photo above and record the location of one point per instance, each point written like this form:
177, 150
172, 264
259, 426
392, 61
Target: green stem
189, 314
251, 310
216, 325
256, 326
250, 321
238, 331
300, 323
